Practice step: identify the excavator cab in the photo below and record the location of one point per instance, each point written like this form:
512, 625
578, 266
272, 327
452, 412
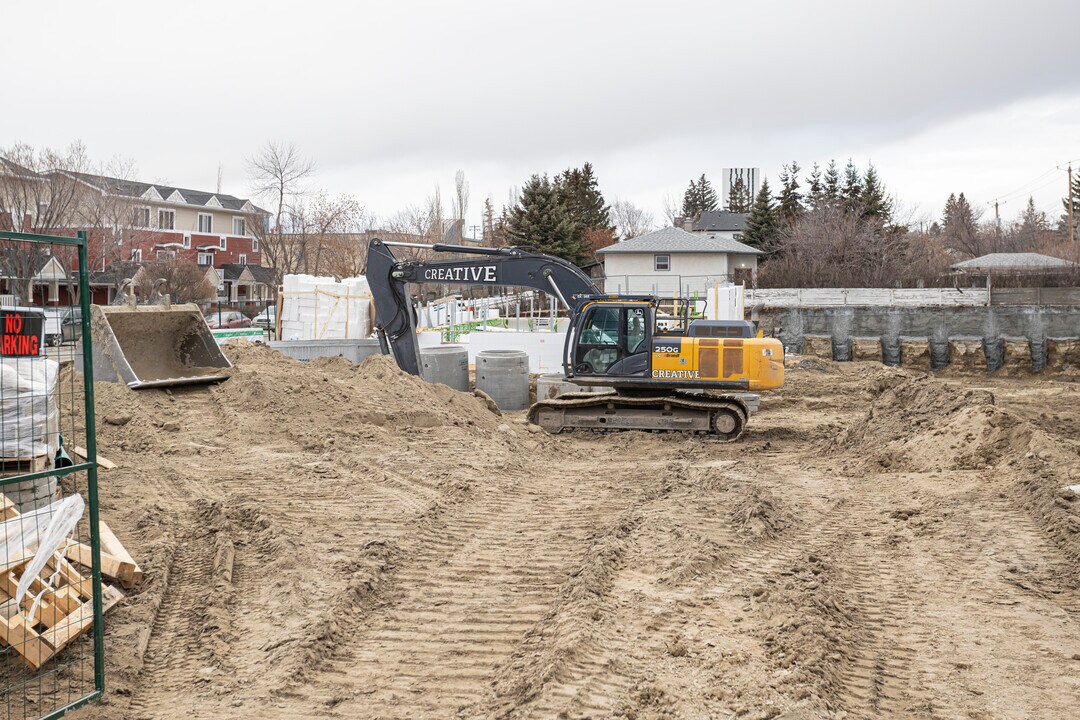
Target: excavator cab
613, 339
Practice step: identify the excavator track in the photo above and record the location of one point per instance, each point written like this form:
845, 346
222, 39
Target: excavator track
723, 416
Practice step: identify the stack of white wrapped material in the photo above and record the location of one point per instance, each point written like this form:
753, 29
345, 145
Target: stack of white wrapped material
320, 308
29, 418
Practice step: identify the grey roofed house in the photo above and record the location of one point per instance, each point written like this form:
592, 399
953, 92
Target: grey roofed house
720, 221
136, 189
677, 240
12, 169
1013, 262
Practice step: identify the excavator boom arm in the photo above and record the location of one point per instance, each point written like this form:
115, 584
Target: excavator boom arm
389, 276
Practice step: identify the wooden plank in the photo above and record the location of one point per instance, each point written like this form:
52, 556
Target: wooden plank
75, 624
130, 572
81, 553
7, 508
16, 633
69, 627
101, 461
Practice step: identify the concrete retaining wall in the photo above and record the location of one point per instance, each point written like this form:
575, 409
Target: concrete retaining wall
938, 325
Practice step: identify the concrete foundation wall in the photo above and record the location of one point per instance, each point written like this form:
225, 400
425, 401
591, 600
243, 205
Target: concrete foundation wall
937, 325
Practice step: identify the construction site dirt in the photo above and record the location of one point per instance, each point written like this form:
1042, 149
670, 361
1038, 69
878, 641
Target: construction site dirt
322, 540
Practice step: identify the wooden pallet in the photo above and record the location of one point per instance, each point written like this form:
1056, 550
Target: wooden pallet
65, 611
23, 465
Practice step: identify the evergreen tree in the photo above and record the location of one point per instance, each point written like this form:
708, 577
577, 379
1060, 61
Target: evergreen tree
873, 200
690, 200
580, 193
960, 226
584, 205
1033, 222
739, 199
763, 224
851, 192
540, 221
831, 189
815, 189
699, 197
790, 198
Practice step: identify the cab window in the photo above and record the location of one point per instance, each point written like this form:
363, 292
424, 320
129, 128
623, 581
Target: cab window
635, 330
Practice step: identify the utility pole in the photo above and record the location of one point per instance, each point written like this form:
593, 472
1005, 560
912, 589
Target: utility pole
1069, 199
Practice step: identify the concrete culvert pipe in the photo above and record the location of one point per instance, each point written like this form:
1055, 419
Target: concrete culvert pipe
448, 364
504, 376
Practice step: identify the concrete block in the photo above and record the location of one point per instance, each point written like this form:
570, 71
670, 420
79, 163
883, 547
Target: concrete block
819, 346
866, 349
967, 353
915, 353
1062, 353
1015, 354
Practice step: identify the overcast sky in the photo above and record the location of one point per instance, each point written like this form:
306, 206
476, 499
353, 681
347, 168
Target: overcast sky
393, 98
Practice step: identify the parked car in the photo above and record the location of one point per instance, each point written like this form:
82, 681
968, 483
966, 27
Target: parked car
266, 319
54, 323
227, 319
71, 326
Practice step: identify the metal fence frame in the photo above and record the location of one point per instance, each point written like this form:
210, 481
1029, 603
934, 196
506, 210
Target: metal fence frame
89, 467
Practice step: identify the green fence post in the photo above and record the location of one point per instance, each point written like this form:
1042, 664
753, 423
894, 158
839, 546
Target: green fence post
91, 460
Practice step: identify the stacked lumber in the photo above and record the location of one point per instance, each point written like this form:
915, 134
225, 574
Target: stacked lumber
61, 597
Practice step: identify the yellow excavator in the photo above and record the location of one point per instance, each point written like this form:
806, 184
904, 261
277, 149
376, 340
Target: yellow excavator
690, 375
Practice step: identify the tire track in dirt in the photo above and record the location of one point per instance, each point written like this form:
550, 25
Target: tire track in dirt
604, 669
174, 654
468, 591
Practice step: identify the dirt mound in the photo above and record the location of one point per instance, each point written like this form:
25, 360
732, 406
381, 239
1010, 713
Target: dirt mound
926, 424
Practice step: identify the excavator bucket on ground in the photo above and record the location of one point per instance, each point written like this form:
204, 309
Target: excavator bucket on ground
155, 346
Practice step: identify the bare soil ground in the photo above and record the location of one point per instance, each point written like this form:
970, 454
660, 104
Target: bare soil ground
337, 542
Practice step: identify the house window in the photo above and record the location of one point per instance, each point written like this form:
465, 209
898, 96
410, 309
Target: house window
239, 227
206, 222
166, 255
187, 241
224, 242
206, 258
661, 262
254, 246
243, 259
140, 217
166, 219
136, 255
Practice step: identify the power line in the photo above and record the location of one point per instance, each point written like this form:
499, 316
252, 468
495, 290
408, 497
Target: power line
1028, 187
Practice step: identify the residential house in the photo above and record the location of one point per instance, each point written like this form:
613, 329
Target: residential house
674, 261
719, 223
246, 285
208, 228
25, 269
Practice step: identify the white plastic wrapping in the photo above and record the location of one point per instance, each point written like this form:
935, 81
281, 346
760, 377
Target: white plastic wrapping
47, 529
321, 308
29, 417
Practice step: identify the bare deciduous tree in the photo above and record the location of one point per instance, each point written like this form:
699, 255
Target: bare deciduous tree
184, 280
279, 173
39, 192
461, 195
672, 208
630, 220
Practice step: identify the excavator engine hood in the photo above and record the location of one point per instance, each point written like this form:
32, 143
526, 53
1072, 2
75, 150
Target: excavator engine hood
155, 346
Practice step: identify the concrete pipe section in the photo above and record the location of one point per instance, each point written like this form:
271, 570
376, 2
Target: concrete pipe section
447, 364
504, 376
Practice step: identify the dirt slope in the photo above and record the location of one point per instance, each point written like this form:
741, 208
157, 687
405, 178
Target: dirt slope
328, 541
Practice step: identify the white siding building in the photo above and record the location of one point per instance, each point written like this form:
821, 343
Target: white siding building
673, 261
